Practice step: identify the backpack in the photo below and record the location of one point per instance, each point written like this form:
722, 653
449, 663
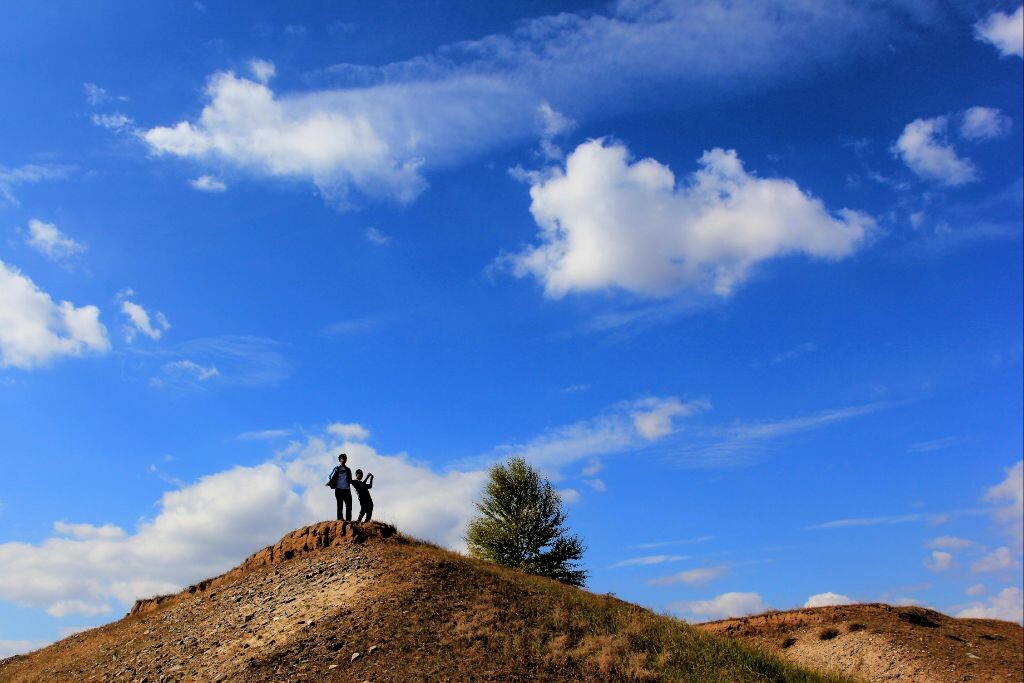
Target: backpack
333, 481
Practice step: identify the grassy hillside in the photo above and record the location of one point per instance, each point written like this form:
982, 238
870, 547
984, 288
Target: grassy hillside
377, 608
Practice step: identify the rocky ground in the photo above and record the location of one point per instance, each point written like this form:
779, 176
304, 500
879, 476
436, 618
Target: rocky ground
883, 643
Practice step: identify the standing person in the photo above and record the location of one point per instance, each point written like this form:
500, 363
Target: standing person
341, 477
363, 489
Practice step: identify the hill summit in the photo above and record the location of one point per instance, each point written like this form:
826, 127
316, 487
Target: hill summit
341, 602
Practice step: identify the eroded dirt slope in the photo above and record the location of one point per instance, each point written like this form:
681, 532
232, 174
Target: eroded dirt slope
879, 642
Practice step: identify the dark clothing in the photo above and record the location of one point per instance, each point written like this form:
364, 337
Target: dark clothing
344, 499
365, 502
340, 477
362, 488
365, 508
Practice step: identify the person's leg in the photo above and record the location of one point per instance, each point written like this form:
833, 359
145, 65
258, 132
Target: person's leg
369, 510
337, 499
346, 495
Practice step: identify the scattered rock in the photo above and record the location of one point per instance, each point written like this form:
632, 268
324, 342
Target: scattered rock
355, 656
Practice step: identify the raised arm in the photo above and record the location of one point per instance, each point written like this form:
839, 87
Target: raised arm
369, 480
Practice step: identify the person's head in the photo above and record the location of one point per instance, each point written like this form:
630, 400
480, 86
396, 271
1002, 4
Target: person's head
342, 458
359, 474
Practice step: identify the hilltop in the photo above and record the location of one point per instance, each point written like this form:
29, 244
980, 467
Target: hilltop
878, 642
339, 602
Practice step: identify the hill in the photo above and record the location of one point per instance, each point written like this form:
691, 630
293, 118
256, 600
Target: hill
338, 602
884, 643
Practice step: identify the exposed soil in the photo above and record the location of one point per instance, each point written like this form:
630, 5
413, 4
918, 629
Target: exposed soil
879, 642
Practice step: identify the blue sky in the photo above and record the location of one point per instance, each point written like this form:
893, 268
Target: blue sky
745, 282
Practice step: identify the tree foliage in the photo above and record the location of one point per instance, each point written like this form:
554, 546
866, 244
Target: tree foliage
521, 524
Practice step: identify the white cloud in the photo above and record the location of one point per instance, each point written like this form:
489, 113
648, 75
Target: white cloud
192, 369
950, 542
795, 352
647, 560
721, 607
11, 178
1004, 31
940, 561
976, 589
609, 223
653, 417
351, 431
614, 432
206, 527
1008, 605
691, 577
569, 496
50, 241
486, 93
35, 331
116, 121
932, 517
208, 183
666, 544
827, 599
998, 560
140, 319
1009, 495
336, 145
924, 147
984, 123
375, 236
596, 484
262, 70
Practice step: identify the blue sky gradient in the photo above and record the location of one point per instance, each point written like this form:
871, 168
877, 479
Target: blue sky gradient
746, 283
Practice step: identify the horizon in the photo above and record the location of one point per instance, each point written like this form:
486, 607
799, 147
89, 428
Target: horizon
744, 282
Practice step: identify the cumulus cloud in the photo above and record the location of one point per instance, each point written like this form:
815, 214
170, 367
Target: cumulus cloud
263, 434
1004, 31
34, 330
47, 239
939, 561
365, 131
336, 145
984, 123
998, 560
208, 183
349, 430
925, 148
607, 222
262, 70
653, 417
691, 577
976, 589
721, 607
140, 319
206, 527
1007, 605
827, 599
1008, 495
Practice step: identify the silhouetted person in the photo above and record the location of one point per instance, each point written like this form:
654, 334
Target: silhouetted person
341, 477
363, 489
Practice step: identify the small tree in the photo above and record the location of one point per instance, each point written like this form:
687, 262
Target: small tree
521, 525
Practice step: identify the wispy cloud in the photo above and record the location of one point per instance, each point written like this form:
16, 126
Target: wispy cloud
264, 435
936, 444
794, 353
668, 544
647, 560
929, 517
691, 577
13, 177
